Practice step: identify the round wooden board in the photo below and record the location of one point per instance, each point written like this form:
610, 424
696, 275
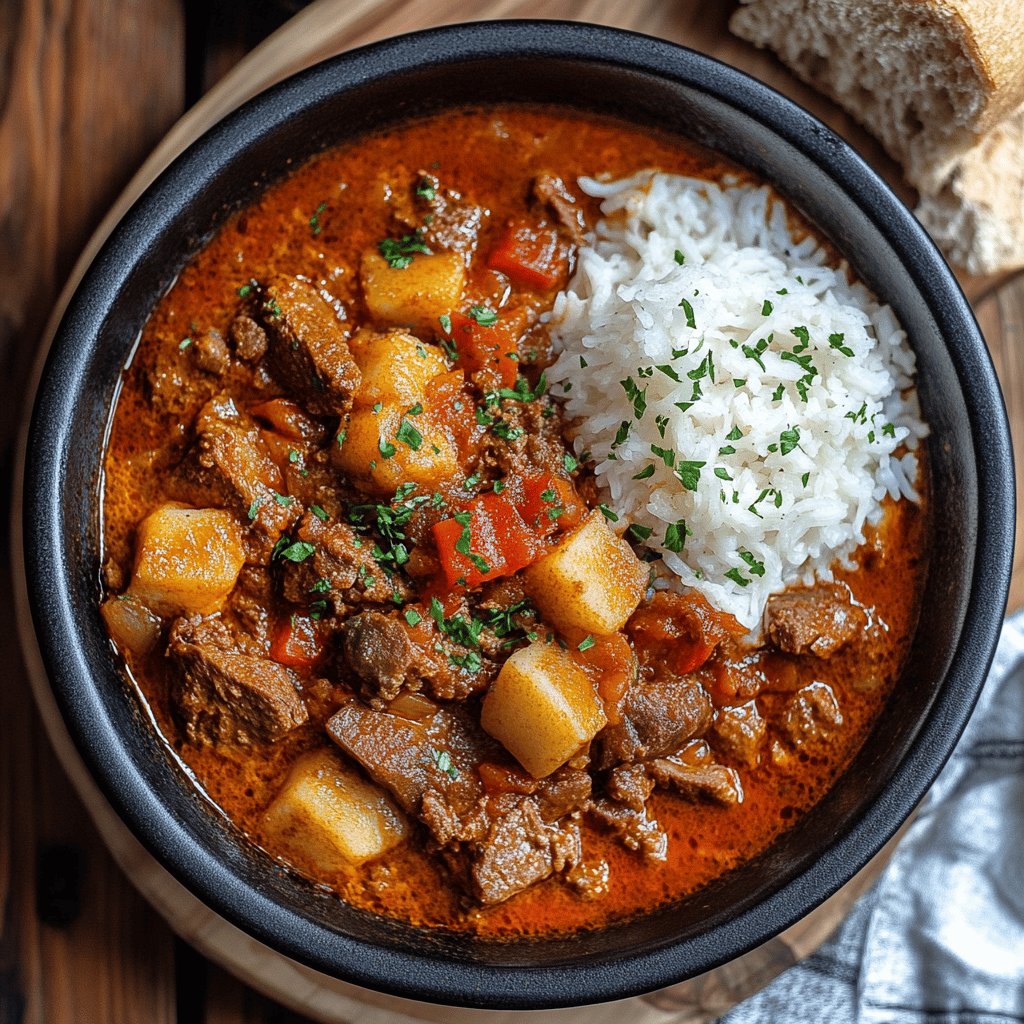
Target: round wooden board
321, 30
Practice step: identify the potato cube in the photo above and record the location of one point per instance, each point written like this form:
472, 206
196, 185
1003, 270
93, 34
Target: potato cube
186, 559
328, 816
384, 449
591, 582
542, 708
415, 295
395, 367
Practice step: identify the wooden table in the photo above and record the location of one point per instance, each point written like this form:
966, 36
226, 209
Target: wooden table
88, 89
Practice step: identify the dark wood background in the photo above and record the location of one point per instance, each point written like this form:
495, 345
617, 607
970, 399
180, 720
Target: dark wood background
88, 88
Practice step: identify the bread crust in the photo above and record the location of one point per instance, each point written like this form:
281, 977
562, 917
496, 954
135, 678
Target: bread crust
941, 84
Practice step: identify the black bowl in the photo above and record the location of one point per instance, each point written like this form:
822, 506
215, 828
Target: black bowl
646, 81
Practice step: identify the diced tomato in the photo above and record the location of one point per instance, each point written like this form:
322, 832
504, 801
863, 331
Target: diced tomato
288, 418
610, 663
499, 778
532, 255
280, 450
480, 347
498, 542
682, 628
298, 642
548, 503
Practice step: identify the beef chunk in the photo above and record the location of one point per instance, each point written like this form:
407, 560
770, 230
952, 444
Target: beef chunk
228, 697
818, 619
230, 466
174, 383
635, 829
565, 791
211, 353
519, 850
550, 190
623, 810
629, 784
739, 733
345, 561
309, 353
706, 781
379, 651
811, 714
657, 717
249, 339
429, 766
497, 845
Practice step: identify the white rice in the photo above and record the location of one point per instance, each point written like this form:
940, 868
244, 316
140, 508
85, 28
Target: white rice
787, 467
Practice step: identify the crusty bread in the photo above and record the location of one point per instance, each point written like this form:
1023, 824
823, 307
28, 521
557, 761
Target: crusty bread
941, 84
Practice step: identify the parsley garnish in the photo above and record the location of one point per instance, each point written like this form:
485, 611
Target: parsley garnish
409, 435
483, 316
314, 221
688, 474
443, 761
676, 534
399, 251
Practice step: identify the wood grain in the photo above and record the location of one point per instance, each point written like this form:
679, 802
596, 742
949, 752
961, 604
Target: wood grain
79, 111
87, 89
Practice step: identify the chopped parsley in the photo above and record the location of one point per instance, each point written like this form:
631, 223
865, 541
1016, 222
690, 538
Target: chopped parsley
292, 551
443, 762
676, 534
688, 473
314, 221
688, 310
586, 643
483, 316
639, 533
788, 440
399, 252
409, 436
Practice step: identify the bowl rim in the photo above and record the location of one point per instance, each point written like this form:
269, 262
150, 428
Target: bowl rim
464, 983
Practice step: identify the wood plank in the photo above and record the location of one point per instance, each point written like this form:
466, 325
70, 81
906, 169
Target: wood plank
79, 111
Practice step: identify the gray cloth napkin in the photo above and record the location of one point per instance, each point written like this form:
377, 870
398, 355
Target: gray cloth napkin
940, 937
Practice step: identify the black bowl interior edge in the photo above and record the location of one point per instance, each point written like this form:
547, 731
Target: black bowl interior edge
646, 81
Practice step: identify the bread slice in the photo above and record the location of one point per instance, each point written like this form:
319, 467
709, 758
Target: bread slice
940, 83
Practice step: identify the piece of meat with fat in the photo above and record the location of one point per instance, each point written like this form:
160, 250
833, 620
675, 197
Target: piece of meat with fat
308, 346
230, 466
819, 619
497, 845
708, 781
249, 339
226, 697
657, 716
812, 714
211, 353
739, 732
429, 766
521, 849
551, 190
379, 651
623, 810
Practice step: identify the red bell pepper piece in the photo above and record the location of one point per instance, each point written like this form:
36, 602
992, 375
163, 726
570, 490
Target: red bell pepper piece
481, 347
297, 642
533, 256
548, 503
485, 542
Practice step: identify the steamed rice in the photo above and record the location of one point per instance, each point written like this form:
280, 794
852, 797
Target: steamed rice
745, 406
